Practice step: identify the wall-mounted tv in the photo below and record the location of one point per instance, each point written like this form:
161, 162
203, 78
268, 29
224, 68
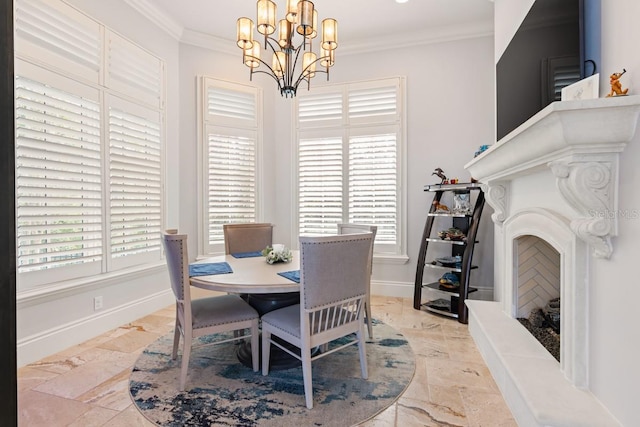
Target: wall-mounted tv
546, 54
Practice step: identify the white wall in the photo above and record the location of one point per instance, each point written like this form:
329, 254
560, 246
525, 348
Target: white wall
49, 321
615, 339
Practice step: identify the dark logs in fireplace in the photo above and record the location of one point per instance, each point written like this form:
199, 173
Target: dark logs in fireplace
544, 325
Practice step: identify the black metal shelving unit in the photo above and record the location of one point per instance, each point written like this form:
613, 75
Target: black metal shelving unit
451, 301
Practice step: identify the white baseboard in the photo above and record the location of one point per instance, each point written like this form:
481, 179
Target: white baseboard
46, 343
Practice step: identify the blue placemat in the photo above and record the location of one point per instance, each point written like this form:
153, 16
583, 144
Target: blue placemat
291, 275
247, 254
207, 269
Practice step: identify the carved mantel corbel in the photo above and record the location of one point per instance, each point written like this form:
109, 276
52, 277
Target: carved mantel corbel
590, 188
497, 196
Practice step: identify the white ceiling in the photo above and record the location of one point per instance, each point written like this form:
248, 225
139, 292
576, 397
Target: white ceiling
359, 21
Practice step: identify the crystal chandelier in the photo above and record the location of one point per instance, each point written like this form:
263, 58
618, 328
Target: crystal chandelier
301, 18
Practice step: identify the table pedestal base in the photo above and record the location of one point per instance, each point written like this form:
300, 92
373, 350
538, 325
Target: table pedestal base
278, 360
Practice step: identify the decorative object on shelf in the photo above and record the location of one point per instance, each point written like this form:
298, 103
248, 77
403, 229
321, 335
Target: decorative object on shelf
587, 88
439, 304
449, 280
461, 203
441, 208
481, 150
277, 253
440, 173
616, 86
302, 18
452, 233
450, 261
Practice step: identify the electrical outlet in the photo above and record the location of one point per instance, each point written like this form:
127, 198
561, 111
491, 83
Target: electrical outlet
97, 303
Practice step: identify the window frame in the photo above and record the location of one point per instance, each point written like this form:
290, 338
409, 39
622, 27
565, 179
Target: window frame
352, 127
235, 126
49, 67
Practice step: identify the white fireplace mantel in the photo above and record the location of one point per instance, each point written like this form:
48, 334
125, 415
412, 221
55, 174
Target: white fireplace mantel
580, 142
556, 178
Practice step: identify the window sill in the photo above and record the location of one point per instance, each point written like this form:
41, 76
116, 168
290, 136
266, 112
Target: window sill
390, 259
71, 287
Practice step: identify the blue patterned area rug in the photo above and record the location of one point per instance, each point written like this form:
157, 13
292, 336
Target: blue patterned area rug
220, 391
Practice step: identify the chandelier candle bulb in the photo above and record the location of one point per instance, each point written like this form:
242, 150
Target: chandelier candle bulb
266, 11
309, 64
245, 33
279, 63
252, 56
314, 27
305, 18
284, 32
329, 34
327, 57
292, 10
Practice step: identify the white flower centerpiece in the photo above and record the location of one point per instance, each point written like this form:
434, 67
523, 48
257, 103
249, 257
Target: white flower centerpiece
277, 253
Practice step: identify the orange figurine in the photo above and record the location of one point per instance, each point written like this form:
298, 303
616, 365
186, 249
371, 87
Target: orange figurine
616, 86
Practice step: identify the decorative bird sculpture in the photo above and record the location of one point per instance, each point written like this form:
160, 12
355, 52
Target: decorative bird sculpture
440, 173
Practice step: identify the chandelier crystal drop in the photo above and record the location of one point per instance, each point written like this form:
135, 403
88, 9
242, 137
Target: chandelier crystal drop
289, 65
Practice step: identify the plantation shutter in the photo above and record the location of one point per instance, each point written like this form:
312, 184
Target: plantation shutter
134, 182
231, 182
230, 150
133, 71
348, 159
58, 175
60, 36
320, 185
373, 183
320, 109
88, 147
367, 103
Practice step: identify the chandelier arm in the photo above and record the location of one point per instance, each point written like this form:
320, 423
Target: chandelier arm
270, 75
295, 63
302, 73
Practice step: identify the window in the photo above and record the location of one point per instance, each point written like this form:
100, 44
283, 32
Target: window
88, 147
349, 160
229, 148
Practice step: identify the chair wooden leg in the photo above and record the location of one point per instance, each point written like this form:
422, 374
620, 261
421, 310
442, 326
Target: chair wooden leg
186, 354
266, 348
255, 345
306, 376
363, 353
369, 322
176, 340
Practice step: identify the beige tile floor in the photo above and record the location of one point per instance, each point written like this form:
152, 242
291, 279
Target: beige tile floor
87, 385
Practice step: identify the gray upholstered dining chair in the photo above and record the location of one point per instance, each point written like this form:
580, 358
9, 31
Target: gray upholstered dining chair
350, 228
334, 273
247, 237
203, 316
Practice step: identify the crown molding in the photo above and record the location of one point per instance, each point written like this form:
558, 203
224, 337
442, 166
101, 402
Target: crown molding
430, 36
424, 37
419, 38
158, 17
208, 41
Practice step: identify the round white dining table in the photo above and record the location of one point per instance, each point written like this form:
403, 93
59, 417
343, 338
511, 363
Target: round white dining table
251, 275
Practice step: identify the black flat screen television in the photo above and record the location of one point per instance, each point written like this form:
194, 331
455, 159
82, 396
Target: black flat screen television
546, 54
